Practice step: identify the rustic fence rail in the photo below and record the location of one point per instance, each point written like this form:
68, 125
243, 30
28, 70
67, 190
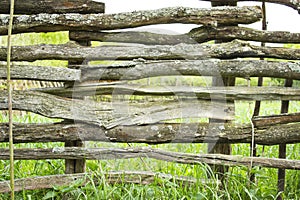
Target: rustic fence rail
147, 55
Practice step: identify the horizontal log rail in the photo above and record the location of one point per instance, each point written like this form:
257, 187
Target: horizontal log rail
144, 152
53, 6
206, 93
197, 35
42, 73
114, 177
133, 70
155, 134
72, 51
295, 4
276, 119
143, 69
111, 114
67, 22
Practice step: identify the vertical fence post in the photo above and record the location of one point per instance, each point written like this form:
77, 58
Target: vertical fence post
72, 165
282, 147
221, 81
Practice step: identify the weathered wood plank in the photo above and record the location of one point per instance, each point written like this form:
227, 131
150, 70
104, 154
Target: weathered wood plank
207, 93
72, 51
295, 4
53, 6
198, 35
154, 134
126, 153
115, 177
41, 73
111, 114
212, 67
66, 22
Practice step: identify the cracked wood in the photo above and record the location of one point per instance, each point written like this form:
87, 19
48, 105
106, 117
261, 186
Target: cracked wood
112, 114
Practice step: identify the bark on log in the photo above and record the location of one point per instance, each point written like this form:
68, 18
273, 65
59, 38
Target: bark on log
53, 6
137, 70
41, 73
295, 4
234, 68
276, 119
71, 51
205, 93
154, 134
115, 177
198, 35
144, 152
96, 22
111, 114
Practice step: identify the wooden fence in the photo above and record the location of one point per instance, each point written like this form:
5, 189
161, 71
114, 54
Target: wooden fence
144, 55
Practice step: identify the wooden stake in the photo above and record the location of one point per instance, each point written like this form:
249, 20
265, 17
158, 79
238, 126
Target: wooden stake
9, 90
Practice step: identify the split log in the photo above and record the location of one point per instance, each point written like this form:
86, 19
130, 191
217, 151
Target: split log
96, 22
52, 6
197, 35
41, 73
71, 51
295, 4
111, 114
206, 93
145, 152
154, 134
114, 177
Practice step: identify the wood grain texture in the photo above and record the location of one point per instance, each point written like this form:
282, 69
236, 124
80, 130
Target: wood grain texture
111, 114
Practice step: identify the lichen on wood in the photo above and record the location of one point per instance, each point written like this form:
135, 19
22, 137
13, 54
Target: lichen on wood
197, 35
133, 70
66, 22
43, 73
72, 51
53, 6
264, 134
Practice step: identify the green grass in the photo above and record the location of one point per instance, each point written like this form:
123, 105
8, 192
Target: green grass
237, 185
237, 182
